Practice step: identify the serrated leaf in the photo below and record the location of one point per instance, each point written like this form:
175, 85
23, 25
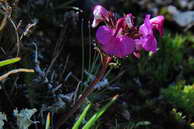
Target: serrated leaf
23, 117
2, 119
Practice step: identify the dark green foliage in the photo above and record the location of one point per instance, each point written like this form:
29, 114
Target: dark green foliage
161, 66
172, 61
182, 96
39, 94
178, 116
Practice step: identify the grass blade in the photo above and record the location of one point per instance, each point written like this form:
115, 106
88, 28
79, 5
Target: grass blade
9, 61
97, 115
82, 116
48, 120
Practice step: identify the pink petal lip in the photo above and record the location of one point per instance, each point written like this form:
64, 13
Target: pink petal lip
119, 45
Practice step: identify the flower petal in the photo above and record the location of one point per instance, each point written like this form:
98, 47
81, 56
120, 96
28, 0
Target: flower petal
147, 40
119, 46
158, 24
127, 45
138, 44
149, 43
146, 28
104, 35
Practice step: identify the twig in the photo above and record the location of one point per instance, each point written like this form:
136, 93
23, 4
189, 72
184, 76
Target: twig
17, 35
90, 44
76, 92
3, 23
3, 51
27, 29
57, 51
70, 74
3, 77
83, 49
117, 77
64, 68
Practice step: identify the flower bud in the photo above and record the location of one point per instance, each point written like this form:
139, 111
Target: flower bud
129, 20
157, 23
100, 14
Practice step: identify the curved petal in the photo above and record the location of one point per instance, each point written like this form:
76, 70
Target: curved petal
138, 44
119, 46
146, 28
150, 43
104, 35
147, 40
128, 45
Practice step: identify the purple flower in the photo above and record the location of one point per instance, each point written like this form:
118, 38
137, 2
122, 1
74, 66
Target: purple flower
114, 43
100, 15
121, 38
147, 40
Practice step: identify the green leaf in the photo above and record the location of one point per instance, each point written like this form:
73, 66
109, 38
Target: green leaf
81, 118
97, 115
9, 61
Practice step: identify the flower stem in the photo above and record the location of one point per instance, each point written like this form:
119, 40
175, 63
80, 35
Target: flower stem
86, 92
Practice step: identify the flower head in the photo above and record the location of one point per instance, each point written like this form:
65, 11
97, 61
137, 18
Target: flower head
121, 38
100, 15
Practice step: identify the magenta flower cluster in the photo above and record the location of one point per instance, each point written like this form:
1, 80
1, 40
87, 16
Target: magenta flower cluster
120, 37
